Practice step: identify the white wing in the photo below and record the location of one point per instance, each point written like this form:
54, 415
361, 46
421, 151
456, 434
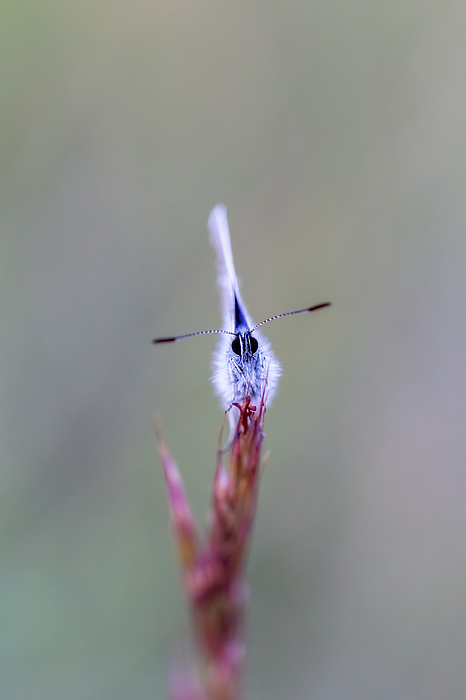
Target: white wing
226, 275
228, 286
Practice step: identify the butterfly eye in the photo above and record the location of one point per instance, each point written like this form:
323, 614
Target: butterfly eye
254, 344
236, 346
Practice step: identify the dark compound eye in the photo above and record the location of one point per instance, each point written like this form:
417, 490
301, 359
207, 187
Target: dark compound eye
236, 346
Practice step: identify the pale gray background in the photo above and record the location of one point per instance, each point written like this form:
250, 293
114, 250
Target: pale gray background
336, 134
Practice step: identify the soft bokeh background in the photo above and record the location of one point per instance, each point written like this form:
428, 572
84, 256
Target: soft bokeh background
336, 134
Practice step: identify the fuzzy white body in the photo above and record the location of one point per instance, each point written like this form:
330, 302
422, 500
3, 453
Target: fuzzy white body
237, 375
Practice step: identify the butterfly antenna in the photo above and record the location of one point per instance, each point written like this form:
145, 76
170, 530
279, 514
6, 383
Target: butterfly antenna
188, 335
292, 313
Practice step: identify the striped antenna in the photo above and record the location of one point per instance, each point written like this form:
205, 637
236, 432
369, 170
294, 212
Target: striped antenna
292, 313
188, 335
175, 338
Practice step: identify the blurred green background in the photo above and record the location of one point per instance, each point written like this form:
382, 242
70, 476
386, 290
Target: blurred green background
336, 134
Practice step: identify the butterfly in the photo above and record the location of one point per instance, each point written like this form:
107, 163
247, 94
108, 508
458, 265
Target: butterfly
244, 364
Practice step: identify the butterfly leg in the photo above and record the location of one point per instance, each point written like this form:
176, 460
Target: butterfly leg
233, 417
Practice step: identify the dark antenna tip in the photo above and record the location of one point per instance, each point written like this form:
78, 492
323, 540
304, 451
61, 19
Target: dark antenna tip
163, 340
320, 306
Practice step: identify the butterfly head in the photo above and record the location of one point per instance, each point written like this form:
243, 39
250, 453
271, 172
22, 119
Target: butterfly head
244, 344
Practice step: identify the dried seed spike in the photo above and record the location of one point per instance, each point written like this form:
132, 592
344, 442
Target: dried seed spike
182, 519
